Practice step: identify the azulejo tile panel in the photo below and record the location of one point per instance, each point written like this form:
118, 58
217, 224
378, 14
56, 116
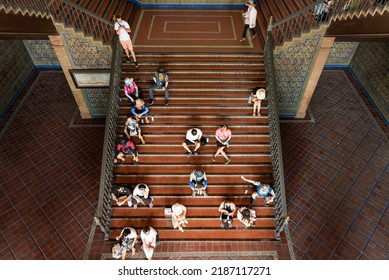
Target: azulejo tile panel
15, 67
292, 66
342, 53
370, 65
97, 99
41, 52
85, 56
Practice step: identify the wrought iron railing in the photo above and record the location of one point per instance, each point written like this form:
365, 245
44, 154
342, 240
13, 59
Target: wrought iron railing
307, 18
104, 207
275, 137
80, 19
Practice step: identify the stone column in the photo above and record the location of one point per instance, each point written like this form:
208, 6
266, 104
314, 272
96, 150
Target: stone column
318, 66
66, 64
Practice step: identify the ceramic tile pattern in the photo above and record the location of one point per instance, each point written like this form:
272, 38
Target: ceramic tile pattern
336, 176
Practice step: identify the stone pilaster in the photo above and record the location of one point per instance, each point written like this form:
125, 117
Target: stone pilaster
317, 68
65, 63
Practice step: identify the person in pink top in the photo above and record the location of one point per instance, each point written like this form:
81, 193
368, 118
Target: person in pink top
223, 136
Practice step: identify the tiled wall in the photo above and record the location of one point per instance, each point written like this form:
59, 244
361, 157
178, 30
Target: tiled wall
292, 65
370, 65
41, 52
85, 56
341, 53
15, 67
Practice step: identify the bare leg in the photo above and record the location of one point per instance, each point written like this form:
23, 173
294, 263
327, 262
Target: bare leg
197, 146
186, 147
259, 107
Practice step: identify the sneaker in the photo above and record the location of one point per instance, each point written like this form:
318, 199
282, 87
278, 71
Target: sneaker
135, 163
151, 204
151, 102
193, 193
188, 154
213, 157
135, 205
136, 64
196, 153
205, 193
128, 60
207, 140
228, 161
166, 102
243, 39
255, 35
267, 205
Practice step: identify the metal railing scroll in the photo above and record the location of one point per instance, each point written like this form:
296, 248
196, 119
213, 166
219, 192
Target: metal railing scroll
104, 207
275, 138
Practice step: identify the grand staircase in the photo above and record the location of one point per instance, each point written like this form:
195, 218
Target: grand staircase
206, 90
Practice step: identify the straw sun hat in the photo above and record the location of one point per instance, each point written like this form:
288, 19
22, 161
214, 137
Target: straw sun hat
261, 93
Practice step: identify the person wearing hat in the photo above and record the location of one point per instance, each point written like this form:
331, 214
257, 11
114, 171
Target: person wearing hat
257, 96
161, 81
250, 20
125, 147
123, 29
140, 110
263, 190
141, 194
198, 182
179, 216
131, 90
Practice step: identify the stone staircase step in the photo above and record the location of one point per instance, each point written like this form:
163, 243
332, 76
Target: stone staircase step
206, 150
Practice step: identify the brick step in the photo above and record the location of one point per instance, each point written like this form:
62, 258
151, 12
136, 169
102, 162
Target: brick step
175, 169
202, 120
197, 94
206, 84
197, 74
176, 139
213, 190
158, 212
163, 58
226, 179
151, 66
203, 234
193, 223
197, 101
156, 128
206, 150
157, 159
185, 110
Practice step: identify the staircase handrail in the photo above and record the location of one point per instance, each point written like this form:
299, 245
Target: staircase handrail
304, 19
104, 206
85, 11
280, 210
70, 14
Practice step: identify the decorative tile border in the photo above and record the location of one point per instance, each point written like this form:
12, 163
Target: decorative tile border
41, 52
292, 66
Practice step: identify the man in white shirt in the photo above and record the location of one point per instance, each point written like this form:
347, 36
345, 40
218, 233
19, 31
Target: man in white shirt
150, 240
250, 20
141, 194
194, 136
123, 29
